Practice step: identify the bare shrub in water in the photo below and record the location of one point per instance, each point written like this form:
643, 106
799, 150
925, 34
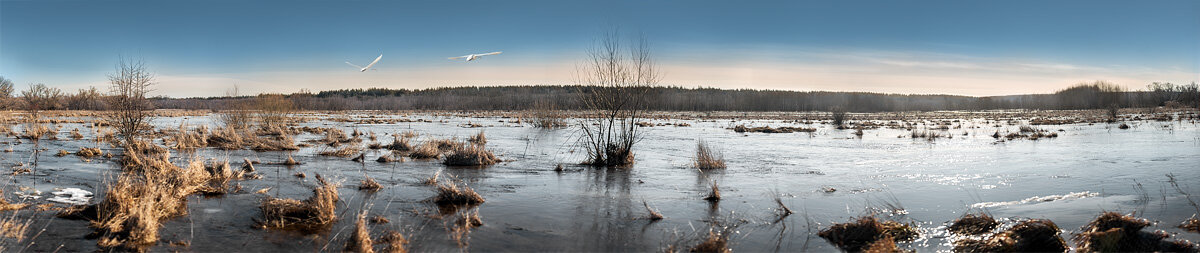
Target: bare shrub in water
274, 110
622, 74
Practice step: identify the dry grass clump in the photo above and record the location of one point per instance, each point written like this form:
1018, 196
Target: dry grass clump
395, 242
76, 135
140, 155
360, 240
707, 158
1114, 232
369, 184
316, 212
461, 230
34, 131
11, 227
454, 194
973, 224
470, 155
1034, 235
134, 206
743, 129
344, 151
1191, 225
478, 139
858, 234
427, 150
399, 144
5, 206
89, 152
715, 194
716, 241
229, 138
219, 176
62, 153
190, 139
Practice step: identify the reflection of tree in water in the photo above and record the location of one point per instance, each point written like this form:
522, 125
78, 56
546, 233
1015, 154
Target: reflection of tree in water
606, 214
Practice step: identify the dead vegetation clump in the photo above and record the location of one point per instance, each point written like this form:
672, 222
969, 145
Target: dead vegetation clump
313, 213
395, 242
344, 151
1036, 235
427, 150
707, 158
478, 139
858, 234
454, 194
75, 134
35, 131
190, 139
135, 205
716, 242
5, 206
369, 184
715, 194
744, 129
1191, 225
470, 155
140, 155
461, 230
360, 240
1114, 232
973, 224
399, 144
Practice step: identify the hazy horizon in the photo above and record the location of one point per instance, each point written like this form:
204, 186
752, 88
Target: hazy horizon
202, 48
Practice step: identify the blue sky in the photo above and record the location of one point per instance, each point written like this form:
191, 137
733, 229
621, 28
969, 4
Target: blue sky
200, 48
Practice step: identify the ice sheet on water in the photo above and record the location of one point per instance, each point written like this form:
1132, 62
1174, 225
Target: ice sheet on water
1037, 199
74, 196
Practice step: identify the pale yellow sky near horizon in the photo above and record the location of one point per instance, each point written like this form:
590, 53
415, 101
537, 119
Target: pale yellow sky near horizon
882, 72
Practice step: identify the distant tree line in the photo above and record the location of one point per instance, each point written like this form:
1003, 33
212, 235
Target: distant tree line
1092, 95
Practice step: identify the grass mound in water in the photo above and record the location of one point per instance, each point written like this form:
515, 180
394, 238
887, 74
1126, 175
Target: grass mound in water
1114, 232
973, 224
858, 234
314, 213
1035, 235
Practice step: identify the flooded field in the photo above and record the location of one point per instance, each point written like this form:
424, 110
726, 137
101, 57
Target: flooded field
924, 169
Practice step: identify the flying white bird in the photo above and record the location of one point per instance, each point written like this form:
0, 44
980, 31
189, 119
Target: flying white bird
368, 67
472, 57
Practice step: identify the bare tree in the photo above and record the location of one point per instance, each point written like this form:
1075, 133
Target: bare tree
274, 110
131, 110
621, 75
6, 93
235, 111
40, 97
